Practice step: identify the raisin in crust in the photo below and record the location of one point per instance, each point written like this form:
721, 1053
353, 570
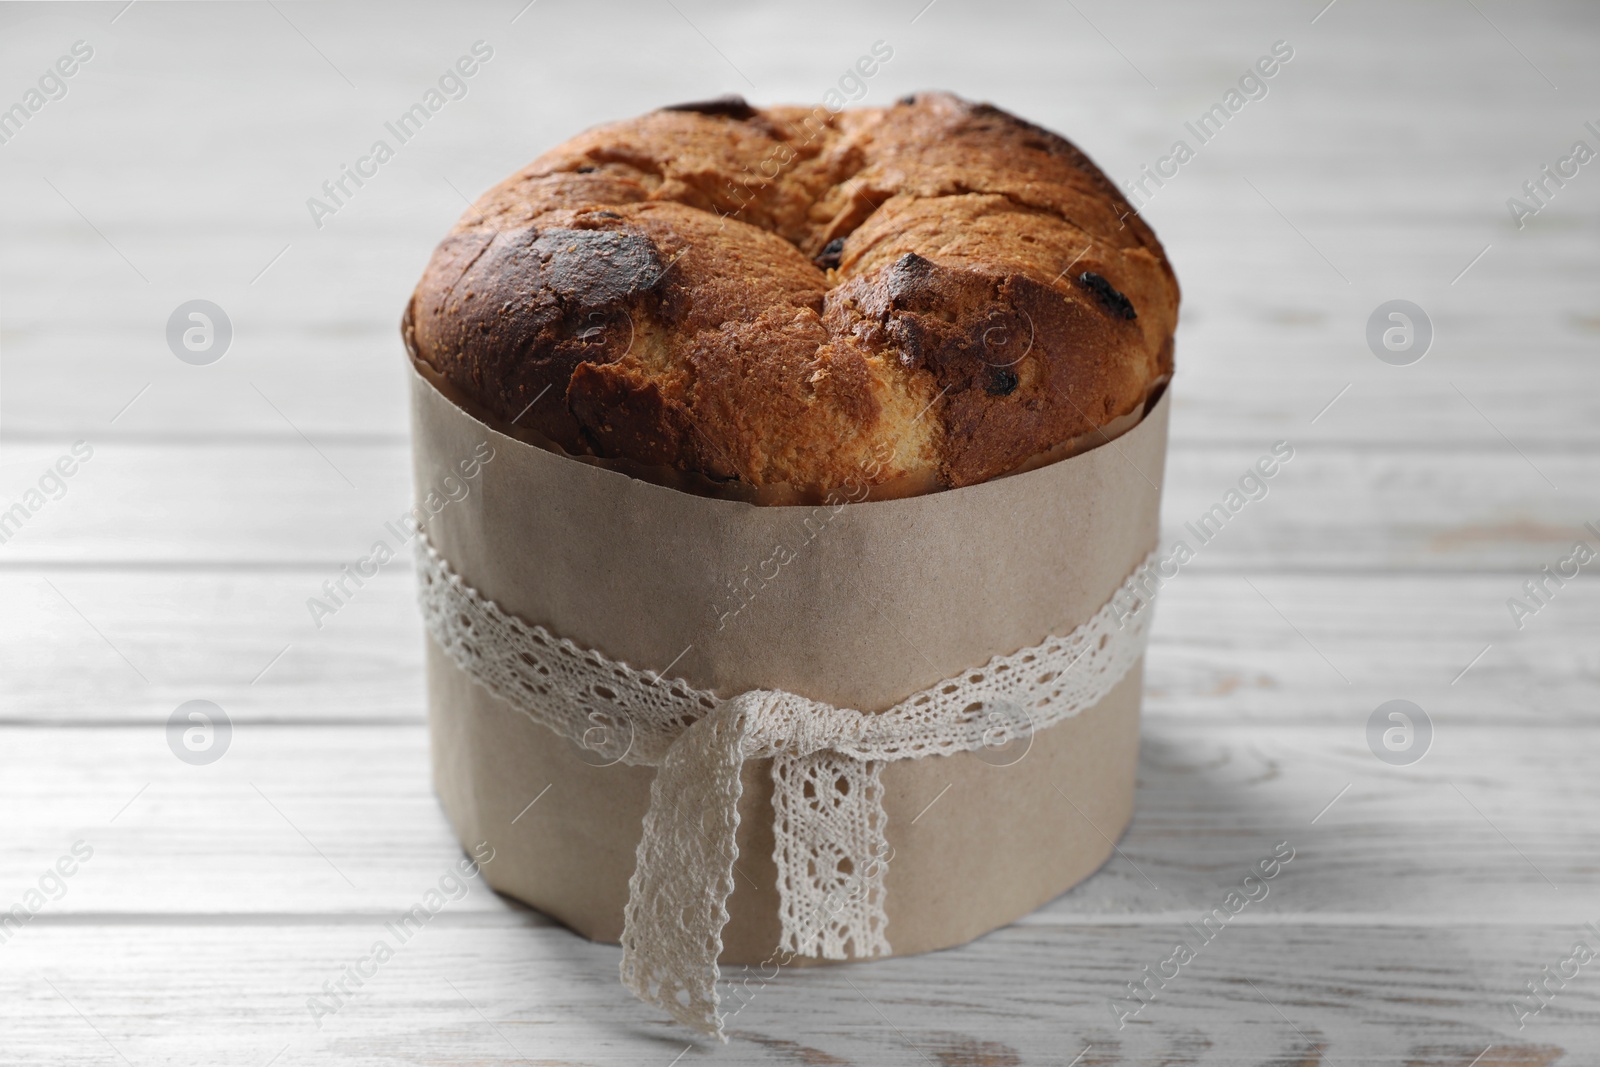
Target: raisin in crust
785, 296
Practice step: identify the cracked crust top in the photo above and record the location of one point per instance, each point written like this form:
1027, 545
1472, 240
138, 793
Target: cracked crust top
935, 290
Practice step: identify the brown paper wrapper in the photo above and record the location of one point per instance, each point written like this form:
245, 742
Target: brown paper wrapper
856, 604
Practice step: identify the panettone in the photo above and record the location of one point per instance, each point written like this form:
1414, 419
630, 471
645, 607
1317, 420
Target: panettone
932, 291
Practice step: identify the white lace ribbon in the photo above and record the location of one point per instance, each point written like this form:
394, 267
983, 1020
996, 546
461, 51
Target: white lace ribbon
826, 761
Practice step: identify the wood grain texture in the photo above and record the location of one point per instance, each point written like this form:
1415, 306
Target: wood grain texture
520, 993
1331, 507
1419, 500
340, 820
1220, 649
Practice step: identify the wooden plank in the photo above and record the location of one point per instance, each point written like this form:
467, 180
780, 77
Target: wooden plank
1260, 372
1268, 324
1257, 344
1331, 508
453, 993
1220, 650
341, 821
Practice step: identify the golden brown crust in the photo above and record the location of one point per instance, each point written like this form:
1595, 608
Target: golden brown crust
783, 296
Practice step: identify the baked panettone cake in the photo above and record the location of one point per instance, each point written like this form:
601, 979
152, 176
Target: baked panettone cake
935, 290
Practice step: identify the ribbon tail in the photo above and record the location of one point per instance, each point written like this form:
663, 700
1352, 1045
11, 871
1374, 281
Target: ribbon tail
831, 855
678, 895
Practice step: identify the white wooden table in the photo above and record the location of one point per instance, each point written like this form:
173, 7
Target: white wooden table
176, 566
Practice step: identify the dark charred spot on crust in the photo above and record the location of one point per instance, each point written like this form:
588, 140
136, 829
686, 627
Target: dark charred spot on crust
1108, 296
908, 280
1002, 382
604, 215
587, 169
907, 100
526, 307
828, 258
1034, 136
594, 268
961, 324
731, 106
